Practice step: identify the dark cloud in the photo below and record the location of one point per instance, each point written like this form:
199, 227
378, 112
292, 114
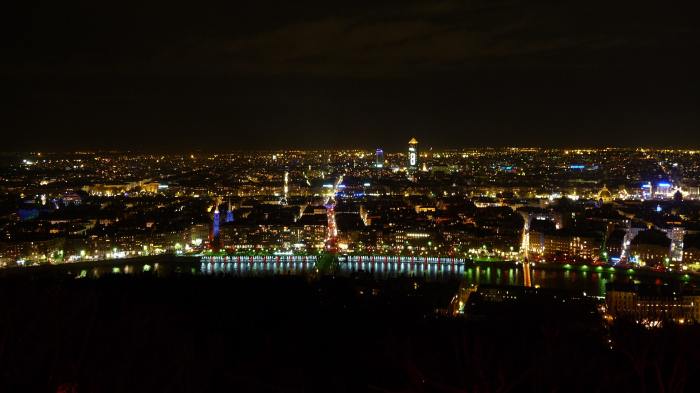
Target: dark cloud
315, 73
361, 37
430, 37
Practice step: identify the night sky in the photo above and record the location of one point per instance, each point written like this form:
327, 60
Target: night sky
305, 74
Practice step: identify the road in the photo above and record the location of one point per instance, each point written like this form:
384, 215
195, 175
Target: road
331, 239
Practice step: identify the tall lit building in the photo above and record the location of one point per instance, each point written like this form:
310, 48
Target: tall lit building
229, 213
413, 154
215, 226
379, 163
285, 189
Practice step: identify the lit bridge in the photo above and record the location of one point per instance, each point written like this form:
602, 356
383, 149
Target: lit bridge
388, 265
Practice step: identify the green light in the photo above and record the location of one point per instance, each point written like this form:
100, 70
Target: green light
630, 271
599, 268
567, 266
584, 267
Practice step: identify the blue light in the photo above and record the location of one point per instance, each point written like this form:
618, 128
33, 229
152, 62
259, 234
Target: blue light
215, 230
664, 185
577, 166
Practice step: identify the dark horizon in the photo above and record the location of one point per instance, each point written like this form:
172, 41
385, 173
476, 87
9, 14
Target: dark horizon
173, 77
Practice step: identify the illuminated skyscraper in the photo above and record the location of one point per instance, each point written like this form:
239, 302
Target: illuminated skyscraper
413, 154
215, 226
285, 189
229, 213
379, 163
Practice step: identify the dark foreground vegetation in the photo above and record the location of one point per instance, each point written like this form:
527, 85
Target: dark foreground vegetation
292, 334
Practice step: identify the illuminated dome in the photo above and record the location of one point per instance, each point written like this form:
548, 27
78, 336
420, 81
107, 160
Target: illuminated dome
605, 195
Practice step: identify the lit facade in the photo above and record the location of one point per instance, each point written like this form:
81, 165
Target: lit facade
653, 309
413, 154
379, 159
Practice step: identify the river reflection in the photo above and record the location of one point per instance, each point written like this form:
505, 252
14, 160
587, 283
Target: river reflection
593, 283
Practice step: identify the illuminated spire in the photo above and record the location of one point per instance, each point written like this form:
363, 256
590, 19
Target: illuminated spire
215, 224
229, 213
286, 188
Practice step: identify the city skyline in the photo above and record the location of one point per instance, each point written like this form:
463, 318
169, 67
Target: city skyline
395, 148
367, 195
